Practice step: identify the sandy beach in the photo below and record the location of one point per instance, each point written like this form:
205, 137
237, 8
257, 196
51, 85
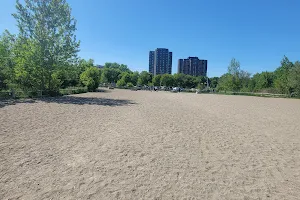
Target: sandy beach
123, 144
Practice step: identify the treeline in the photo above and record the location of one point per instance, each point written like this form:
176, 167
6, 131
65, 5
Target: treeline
129, 79
284, 80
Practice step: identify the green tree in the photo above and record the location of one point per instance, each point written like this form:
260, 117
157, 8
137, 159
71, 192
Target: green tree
235, 79
244, 80
90, 78
130, 85
125, 79
109, 75
281, 76
121, 83
156, 80
121, 67
47, 29
226, 83
214, 82
294, 79
167, 80
29, 75
84, 64
144, 78
190, 81
262, 81
134, 78
179, 80
234, 67
6, 59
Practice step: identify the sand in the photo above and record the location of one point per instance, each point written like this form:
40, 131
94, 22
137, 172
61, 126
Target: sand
123, 144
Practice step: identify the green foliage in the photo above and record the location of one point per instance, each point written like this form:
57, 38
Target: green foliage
121, 83
200, 86
262, 81
225, 83
294, 79
90, 78
282, 76
73, 90
214, 82
235, 80
127, 77
144, 78
120, 67
134, 78
284, 80
179, 80
6, 59
234, 67
167, 80
109, 75
130, 85
187, 81
191, 81
156, 80
45, 44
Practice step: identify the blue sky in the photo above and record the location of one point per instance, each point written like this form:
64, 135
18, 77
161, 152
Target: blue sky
258, 33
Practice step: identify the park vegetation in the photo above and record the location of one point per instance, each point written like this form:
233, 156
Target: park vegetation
43, 58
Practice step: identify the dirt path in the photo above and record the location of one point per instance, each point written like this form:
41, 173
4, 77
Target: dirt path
150, 145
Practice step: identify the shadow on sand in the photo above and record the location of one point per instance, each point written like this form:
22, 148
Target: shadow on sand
87, 100
71, 100
8, 102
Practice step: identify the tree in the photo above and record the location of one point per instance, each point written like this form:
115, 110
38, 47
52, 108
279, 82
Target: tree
109, 75
214, 82
281, 76
167, 80
179, 80
134, 78
130, 85
121, 83
262, 81
200, 80
121, 67
125, 79
244, 79
144, 78
226, 83
190, 81
47, 28
234, 67
84, 64
90, 78
236, 79
156, 80
6, 59
294, 79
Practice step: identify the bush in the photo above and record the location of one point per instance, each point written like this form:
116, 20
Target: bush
91, 78
4, 94
121, 83
130, 85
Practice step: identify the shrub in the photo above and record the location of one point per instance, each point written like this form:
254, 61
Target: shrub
90, 78
130, 85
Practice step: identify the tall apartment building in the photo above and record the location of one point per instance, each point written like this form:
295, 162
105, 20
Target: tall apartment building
160, 61
192, 66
